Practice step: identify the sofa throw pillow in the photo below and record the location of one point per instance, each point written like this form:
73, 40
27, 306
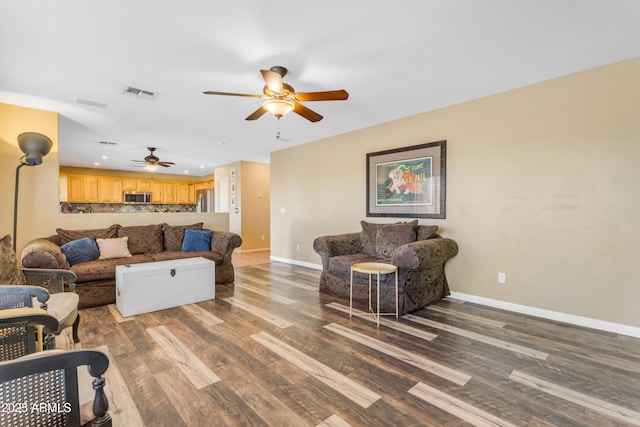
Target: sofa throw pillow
113, 248
196, 240
368, 237
10, 273
67, 236
81, 250
143, 239
174, 235
426, 232
392, 236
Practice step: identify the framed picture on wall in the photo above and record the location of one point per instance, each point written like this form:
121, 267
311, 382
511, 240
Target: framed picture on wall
233, 188
233, 200
233, 174
407, 182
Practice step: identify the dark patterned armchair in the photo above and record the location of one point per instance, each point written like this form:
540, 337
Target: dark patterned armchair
417, 250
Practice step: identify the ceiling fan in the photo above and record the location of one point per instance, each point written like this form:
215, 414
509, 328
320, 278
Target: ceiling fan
281, 98
152, 161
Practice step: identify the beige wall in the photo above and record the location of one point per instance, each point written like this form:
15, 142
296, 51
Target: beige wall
255, 204
38, 210
251, 221
541, 185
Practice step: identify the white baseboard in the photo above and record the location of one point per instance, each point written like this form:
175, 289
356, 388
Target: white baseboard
602, 325
239, 250
551, 315
296, 262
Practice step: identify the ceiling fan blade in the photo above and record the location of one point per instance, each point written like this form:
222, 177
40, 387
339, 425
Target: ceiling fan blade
307, 113
273, 81
166, 164
330, 95
209, 92
256, 114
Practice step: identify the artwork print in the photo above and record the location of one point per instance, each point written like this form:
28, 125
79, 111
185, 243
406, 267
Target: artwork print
407, 182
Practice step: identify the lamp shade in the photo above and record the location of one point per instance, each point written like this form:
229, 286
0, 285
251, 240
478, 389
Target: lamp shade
35, 146
278, 107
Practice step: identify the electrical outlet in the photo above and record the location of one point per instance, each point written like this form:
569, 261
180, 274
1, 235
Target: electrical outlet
263, 237
502, 278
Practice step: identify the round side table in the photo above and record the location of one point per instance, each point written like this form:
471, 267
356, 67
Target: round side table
373, 268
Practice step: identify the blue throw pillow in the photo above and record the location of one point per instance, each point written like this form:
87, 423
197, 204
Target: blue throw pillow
81, 250
196, 240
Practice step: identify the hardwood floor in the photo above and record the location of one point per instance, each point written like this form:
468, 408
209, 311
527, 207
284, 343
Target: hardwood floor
272, 351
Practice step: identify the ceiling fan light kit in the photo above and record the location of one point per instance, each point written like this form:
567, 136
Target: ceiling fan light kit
152, 161
279, 107
281, 98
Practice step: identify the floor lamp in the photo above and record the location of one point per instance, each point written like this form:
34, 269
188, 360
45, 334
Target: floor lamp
34, 146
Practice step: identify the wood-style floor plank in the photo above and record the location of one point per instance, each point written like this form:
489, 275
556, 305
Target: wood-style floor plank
272, 351
343, 385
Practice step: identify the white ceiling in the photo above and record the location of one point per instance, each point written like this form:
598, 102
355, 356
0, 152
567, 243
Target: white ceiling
394, 58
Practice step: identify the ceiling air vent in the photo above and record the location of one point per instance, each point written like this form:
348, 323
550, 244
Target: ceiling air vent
107, 143
140, 93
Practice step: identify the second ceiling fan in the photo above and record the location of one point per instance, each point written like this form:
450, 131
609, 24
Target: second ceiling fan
281, 98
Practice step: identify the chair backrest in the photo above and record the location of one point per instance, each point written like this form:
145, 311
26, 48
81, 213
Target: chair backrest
21, 296
44, 388
20, 332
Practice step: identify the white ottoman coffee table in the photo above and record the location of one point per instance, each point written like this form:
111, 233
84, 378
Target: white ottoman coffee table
152, 286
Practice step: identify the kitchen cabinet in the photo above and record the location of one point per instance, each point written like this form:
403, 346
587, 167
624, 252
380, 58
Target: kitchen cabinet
143, 185
171, 192
75, 188
157, 192
110, 189
82, 188
129, 184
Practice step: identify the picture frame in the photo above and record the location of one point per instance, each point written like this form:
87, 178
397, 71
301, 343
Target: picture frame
233, 200
233, 188
408, 182
233, 174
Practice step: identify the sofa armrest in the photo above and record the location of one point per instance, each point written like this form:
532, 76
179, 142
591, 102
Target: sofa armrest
339, 244
43, 253
224, 243
424, 253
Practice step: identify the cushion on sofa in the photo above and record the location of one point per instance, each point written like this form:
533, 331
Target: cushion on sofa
67, 236
143, 238
10, 273
104, 269
174, 234
426, 232
165, 256
383, 239
113, 248
196, 240
81, 250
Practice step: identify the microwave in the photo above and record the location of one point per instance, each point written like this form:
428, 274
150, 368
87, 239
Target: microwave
136, 197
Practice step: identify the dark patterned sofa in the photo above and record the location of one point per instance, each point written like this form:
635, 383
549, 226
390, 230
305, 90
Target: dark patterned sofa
95, 284
418, 251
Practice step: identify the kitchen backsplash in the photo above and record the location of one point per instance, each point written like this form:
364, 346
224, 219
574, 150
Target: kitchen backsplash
82, 208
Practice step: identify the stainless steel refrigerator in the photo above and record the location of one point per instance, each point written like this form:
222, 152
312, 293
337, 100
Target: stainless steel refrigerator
205, 200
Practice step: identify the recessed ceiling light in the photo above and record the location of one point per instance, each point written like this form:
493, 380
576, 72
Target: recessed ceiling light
104, 157
96, 164
201, 166
186, 171
220, 142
